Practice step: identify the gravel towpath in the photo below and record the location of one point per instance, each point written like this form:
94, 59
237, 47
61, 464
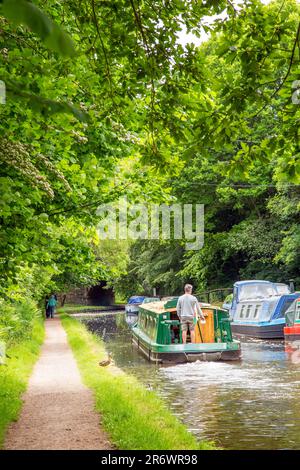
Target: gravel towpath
58, 410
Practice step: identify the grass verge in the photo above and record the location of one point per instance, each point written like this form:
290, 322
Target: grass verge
80, 308
134, 417
15, 373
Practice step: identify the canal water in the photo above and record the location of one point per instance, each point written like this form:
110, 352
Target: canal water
252, 404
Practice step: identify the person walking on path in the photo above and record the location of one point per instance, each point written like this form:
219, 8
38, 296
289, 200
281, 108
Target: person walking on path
58, 410
187, 309
47, 298
51, 306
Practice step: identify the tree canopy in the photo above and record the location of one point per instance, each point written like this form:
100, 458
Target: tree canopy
103, 101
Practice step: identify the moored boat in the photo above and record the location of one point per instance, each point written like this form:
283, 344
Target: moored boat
292, 328
133, 304
258, 308
157, 334
132, 307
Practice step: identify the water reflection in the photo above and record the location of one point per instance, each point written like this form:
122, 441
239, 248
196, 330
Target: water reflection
253, 404
292, 349
131, 319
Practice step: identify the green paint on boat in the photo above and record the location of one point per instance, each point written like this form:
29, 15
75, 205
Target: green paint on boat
157, 334
293, 313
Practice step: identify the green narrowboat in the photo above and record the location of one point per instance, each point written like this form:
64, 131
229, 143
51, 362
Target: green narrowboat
157, 334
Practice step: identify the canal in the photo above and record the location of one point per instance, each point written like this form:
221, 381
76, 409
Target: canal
253, 404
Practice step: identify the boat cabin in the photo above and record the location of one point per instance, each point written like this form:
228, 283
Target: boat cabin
292, 328
133, 303
258, 308
157, 334
259, 301
160, 322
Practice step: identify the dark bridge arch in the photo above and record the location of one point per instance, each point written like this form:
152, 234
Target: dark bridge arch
100, 295
94, 295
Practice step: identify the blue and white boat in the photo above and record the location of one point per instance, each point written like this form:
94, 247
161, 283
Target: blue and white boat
132, 306
258, 308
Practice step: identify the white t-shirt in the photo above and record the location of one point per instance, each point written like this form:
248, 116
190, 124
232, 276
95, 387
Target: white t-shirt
187, 306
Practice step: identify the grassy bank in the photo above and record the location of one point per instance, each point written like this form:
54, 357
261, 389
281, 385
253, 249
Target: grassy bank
74, 308
133, 417
15, 373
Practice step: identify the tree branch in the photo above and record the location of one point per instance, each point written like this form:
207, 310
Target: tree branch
107, 66
286, 75
149, 54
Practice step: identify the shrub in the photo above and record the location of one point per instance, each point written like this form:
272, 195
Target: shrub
16, 319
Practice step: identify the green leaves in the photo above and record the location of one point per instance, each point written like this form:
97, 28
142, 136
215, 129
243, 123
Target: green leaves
208, 116
45, 105
26, 13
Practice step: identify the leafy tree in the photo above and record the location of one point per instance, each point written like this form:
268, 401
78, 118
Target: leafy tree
104, 102
239, 152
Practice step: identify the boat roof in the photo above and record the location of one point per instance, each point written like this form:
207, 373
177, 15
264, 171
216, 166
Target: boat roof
253, 281
136, 299
169, 306
156, 307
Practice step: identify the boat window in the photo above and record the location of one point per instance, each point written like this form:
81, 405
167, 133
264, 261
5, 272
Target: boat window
147, 300
248, 311
282, 289
297, 316
235, 290
255, 314
257, 291
154, 328
291, 313
287, 305
268, 309
283, 310
152, 331
242, 311
150, 326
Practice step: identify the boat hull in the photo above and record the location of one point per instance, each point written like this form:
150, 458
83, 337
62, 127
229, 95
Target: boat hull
266, 331
292, 333
170, 354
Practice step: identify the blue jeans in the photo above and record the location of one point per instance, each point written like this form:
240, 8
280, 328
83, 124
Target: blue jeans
51, 312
